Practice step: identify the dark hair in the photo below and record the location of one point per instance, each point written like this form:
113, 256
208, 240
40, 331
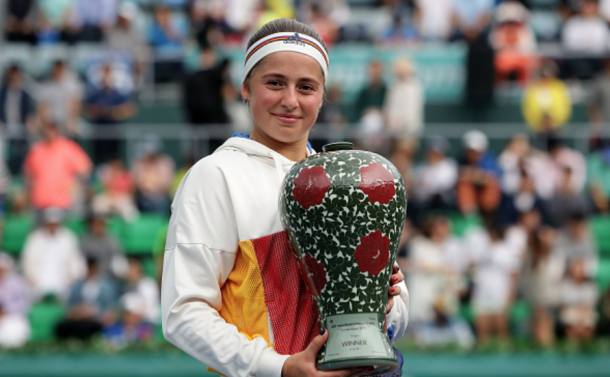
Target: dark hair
283, 25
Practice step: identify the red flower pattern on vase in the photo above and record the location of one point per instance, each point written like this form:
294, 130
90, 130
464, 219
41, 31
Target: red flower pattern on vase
316, 274
378, 183
311, 186
373, 253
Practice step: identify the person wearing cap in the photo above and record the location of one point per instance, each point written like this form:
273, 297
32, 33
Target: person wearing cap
53, 168
215, 297
15, 302
435, 179
133, 326
478, 186
51, 259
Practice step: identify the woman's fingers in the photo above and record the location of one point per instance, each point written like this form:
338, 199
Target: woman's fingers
397, 276
394, 291
389, 305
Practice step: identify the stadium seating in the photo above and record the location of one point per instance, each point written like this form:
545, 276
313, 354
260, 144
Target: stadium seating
14, 233
43, 318
138, 237
603, 275
600, 226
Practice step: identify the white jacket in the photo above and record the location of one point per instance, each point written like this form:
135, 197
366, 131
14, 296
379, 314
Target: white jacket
225, 204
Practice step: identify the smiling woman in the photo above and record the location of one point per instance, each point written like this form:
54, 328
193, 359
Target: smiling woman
232, 293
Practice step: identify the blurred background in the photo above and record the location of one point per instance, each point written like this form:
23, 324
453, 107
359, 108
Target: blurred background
496, 113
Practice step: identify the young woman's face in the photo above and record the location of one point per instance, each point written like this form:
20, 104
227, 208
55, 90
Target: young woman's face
285, 92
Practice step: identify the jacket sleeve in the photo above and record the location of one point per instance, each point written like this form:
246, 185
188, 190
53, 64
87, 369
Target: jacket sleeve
398, 318
200, 253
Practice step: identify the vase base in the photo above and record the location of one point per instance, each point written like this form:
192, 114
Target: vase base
381, 365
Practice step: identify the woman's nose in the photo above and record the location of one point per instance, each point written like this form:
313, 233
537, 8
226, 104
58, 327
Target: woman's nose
289, 99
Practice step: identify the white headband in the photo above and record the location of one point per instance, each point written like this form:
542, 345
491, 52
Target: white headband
286, 42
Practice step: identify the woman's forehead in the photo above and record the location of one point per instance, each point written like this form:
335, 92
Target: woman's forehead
290, 64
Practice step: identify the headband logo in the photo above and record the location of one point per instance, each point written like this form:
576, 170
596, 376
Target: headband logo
295, 39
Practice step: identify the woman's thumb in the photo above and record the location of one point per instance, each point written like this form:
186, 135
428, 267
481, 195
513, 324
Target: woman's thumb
317, 343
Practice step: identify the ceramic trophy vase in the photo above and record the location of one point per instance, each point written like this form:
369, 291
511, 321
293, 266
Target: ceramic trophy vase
344, 212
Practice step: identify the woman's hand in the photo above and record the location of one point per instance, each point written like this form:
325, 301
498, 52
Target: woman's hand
303, 364
394, 289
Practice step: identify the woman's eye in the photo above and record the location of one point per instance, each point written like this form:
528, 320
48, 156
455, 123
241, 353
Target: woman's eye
273, 83
307, 87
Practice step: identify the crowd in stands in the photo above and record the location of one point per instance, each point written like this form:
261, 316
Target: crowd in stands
487, 233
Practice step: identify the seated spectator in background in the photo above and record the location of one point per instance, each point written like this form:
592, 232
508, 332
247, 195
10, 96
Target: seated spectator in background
562, 158
478, 186
445, 330
576, 241
585, 36
542, 272
495, 275
546, 103
128, 39
434, 19
60, 99
52, 169
404, 102
106, 107
99, 245
17, 110
518, 234
435, 179
133, 327
15, 302
372, 96
92, 305
51, 259
91, 19
429, 275
146, 288
117, 197
565, 202
53, 19
598, 178
400, 33
578, 301
514, 42
323, 23
5, 182
20, 22
153, 173
599, 102
167, 36
402, 155
471, 18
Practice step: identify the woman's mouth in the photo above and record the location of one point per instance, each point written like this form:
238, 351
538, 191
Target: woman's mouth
287, 118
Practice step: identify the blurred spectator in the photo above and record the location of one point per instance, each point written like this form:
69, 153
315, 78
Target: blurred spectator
598, 178
106, 107
15, 302
445, 330
117, 197
546, 103
569, 8
399, 33
60, 99
207, 22
17, 110
51, 259
372, 96
599, 100
128, 39
478, 187
52, 168
586, 32
471, 18
98, 244
146, 288
205, 93
434, 19
404, 102
428, 272
402, 155
576, 241
578, 301
435, 179
518, 234
331, 113
91, 19
566, 201
92, 305
167, 36
323, 23
514, 42
20, 21
542, 272
53, 19
133, 327
153, 173
495, 271
5, 181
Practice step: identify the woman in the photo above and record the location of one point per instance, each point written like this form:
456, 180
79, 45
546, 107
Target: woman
218, 304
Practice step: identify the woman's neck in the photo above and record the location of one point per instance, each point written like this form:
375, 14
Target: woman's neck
293, 151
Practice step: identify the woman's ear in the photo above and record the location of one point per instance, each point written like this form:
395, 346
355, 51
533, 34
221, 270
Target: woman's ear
245, 92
